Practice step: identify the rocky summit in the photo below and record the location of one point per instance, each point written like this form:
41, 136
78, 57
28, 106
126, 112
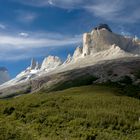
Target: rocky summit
103, 26
51, 62
101, 38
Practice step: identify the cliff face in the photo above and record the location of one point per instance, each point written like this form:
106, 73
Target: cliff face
51, 62
101, 39
4, 76
68, 60
78, 53
34, 65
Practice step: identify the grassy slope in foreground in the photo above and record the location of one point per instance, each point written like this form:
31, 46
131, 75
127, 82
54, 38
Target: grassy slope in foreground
82, 113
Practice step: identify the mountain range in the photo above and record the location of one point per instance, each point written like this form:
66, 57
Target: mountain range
103, 55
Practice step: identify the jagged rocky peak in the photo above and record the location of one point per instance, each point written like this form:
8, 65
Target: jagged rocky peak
103, 26
34, 65
68, 60
102, 37
78, 52
97, 40
4, 75
51, 62
38, 66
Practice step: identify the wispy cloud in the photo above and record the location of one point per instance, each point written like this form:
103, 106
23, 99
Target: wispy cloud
106, 9
26, 16
123, 11
2, 26
26, 43
58, 3
20, 47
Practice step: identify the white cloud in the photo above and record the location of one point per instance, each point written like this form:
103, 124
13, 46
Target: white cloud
122, 11
26, 43
50, 2
58, 3
22, 34
20, 47
2, 26
106, 9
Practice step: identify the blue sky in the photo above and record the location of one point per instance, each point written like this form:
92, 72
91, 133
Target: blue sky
37, 28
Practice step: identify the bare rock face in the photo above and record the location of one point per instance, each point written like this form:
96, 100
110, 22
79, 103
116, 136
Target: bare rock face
51, 62
78, 53
87, 44
4, 76
102, 37
33, 64
38, 66
68, 60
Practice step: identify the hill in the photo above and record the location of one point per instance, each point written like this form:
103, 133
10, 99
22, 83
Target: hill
98, 112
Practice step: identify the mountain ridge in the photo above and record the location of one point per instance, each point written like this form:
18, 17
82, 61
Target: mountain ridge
99, 46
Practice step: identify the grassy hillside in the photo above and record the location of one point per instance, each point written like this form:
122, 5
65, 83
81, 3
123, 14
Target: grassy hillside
80, 113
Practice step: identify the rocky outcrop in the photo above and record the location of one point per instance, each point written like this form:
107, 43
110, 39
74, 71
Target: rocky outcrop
51, 62
68, 60
4, 75
38, 66
87, 44
77, 53
103, 26
29, 73
102, 37
34, 65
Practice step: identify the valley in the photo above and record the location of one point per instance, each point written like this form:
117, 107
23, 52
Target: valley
97, 112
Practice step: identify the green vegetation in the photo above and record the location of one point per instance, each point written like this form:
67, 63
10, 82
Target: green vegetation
80, 113
123, 87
